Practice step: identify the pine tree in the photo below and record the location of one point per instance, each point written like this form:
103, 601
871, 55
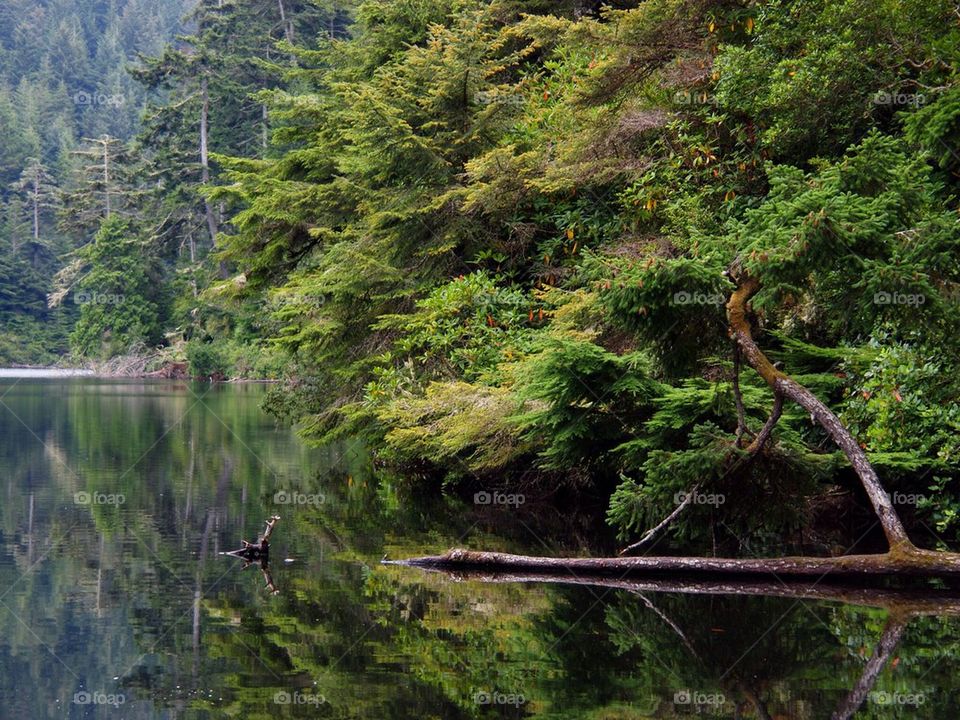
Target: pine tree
119, 298
104, 186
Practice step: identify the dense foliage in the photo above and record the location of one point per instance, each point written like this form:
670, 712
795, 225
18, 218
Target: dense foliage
65, 94
497, 238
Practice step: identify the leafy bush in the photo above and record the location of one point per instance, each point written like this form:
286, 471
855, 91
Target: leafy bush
207, 360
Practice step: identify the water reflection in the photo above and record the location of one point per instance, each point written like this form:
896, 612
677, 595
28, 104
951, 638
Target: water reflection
118, 499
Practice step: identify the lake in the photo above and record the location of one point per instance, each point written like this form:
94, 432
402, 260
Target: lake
118, 498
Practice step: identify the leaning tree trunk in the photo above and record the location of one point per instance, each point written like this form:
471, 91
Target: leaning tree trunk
903, 557
782, 384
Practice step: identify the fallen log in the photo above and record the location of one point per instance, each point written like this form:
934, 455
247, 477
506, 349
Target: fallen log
915, 563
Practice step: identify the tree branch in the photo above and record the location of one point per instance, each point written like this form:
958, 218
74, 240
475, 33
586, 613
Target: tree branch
652, 532
742, 428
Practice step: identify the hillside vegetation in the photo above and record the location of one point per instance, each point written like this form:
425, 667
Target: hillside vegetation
496, 240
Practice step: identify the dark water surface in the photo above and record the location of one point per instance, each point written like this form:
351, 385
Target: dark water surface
117, 499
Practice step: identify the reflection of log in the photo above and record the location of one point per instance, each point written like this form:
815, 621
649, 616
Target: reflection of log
902, 605
915, 563
260, 550
926, 601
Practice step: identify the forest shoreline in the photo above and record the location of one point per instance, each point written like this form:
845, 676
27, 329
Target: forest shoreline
106, 371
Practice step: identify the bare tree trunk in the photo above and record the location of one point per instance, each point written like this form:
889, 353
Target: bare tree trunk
205, 167
36, 206
287, 24
106, 174
205, 157
265, 138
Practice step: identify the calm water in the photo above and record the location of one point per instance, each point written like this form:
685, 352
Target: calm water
117, 499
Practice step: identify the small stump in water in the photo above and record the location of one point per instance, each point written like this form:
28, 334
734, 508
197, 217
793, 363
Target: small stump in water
259, 552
